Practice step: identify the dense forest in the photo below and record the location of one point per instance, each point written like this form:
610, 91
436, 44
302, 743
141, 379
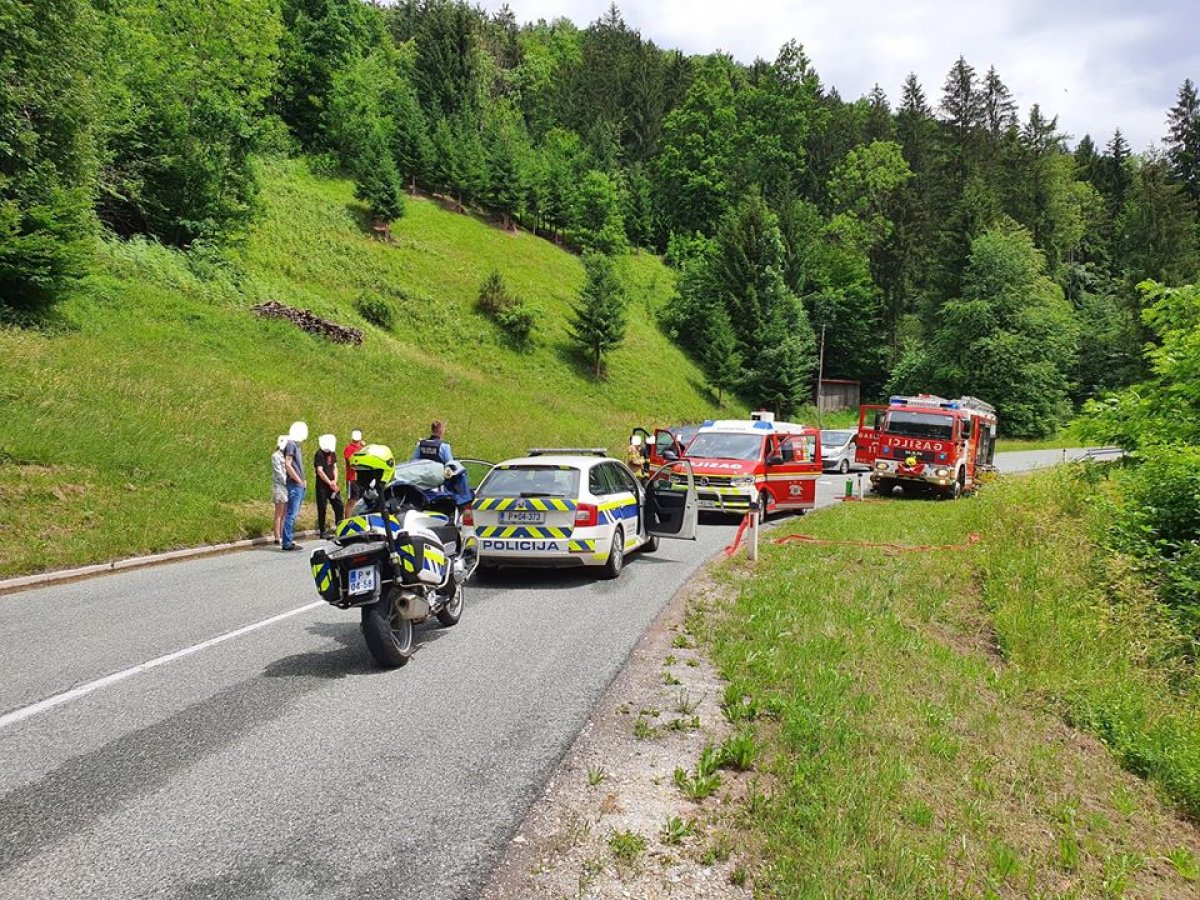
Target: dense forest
944, 239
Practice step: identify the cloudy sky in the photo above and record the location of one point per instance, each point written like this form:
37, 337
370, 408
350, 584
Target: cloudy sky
1098, 64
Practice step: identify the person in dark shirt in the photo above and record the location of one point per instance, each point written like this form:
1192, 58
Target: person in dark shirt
329, 492
434, 447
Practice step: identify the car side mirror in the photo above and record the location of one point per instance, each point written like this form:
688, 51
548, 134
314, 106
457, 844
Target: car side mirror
670, 455
774, 460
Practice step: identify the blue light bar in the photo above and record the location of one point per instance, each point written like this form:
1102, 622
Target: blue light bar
897, 401
706, 423
766, 426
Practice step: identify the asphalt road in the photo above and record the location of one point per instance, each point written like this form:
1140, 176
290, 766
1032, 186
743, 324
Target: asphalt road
241, 743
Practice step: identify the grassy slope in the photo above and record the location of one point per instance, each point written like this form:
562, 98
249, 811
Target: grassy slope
910, 708
146, 419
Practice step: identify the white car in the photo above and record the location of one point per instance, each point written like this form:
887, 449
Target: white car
578, 508
837, 451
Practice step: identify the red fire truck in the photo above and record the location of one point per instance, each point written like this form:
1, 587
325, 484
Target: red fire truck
927, 443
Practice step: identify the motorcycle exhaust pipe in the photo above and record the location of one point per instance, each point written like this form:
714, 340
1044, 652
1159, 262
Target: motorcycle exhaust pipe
412, 606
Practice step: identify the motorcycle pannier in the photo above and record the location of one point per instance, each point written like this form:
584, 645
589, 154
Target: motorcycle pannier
422, 561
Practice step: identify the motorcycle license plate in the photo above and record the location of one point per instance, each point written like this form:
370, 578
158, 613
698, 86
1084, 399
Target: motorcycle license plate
362, 581
522, 517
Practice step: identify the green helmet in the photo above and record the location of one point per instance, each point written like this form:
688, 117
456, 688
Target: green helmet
374, 462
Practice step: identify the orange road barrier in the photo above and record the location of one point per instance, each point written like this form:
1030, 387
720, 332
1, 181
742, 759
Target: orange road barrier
972, 540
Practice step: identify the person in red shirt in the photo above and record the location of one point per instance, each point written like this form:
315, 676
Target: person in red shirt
356, 444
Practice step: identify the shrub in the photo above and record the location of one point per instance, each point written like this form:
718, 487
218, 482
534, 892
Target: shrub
376, 309
506, 309
494, 295
1158, 522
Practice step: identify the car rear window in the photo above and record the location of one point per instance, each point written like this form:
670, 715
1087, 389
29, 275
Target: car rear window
531, 481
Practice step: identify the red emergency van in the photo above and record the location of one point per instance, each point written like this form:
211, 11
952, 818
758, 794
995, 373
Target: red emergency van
742, 462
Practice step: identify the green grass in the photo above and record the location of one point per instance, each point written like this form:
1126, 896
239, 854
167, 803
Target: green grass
1066, 437
908, 707
143, 417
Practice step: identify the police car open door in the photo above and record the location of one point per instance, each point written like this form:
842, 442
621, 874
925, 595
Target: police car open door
477, 470
672, 509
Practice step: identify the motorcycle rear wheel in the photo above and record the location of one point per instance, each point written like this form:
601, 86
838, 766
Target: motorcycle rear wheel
388, 637
450, 613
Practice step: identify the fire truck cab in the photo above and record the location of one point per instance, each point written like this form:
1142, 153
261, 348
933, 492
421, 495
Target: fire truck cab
739, 463
927, 443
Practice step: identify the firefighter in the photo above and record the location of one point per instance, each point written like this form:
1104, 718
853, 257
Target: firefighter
635, 457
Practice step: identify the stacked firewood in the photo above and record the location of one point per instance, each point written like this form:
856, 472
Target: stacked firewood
310, 322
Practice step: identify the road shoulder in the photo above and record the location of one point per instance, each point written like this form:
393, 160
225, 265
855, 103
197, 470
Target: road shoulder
611, 821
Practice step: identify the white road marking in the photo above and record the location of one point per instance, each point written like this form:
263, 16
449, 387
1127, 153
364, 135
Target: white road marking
75, 693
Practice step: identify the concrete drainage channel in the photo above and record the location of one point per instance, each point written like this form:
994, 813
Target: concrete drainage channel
43, 579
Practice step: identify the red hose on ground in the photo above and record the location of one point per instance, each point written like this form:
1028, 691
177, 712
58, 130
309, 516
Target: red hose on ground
972, 540
737, 538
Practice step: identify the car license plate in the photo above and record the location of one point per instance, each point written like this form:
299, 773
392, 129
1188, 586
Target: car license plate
362, 581
708, 504
522, 517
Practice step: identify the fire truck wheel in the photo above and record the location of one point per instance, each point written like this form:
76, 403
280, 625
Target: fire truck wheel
957, 490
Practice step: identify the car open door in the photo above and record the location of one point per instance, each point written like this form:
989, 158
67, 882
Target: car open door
672, 508
477, 470
870, 426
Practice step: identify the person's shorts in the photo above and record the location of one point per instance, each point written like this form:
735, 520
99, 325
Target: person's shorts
279, 493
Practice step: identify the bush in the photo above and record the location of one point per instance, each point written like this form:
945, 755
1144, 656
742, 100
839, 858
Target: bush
494, 295
517, 322
376, 309
507, 310
1158, 522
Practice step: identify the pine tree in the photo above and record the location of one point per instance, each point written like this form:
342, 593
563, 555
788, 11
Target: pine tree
963, 103
1183, 139
880, 126
598, 321
47, 149
722, 361
376, 181
999, 110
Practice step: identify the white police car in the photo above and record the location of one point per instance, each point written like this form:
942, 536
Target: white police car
574, 507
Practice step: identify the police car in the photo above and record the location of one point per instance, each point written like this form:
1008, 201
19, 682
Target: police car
572, 507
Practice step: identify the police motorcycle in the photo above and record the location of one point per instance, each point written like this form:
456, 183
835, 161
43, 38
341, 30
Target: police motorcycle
401, 556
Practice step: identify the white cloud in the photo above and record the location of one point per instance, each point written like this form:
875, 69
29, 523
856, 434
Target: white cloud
1096, 65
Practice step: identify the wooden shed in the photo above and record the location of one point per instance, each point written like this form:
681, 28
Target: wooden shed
838, 393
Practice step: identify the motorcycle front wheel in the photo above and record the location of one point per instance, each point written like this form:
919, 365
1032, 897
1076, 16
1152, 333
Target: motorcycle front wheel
388, 637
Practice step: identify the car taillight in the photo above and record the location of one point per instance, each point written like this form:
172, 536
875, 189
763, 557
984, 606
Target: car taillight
359, 560
586, 516
468, 517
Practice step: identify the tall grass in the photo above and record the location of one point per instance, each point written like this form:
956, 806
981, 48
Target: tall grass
145, 418
910, 706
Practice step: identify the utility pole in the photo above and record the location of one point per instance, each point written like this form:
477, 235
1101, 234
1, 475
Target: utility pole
820, 377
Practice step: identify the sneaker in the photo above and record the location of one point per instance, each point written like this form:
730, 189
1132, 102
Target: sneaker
291, 547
